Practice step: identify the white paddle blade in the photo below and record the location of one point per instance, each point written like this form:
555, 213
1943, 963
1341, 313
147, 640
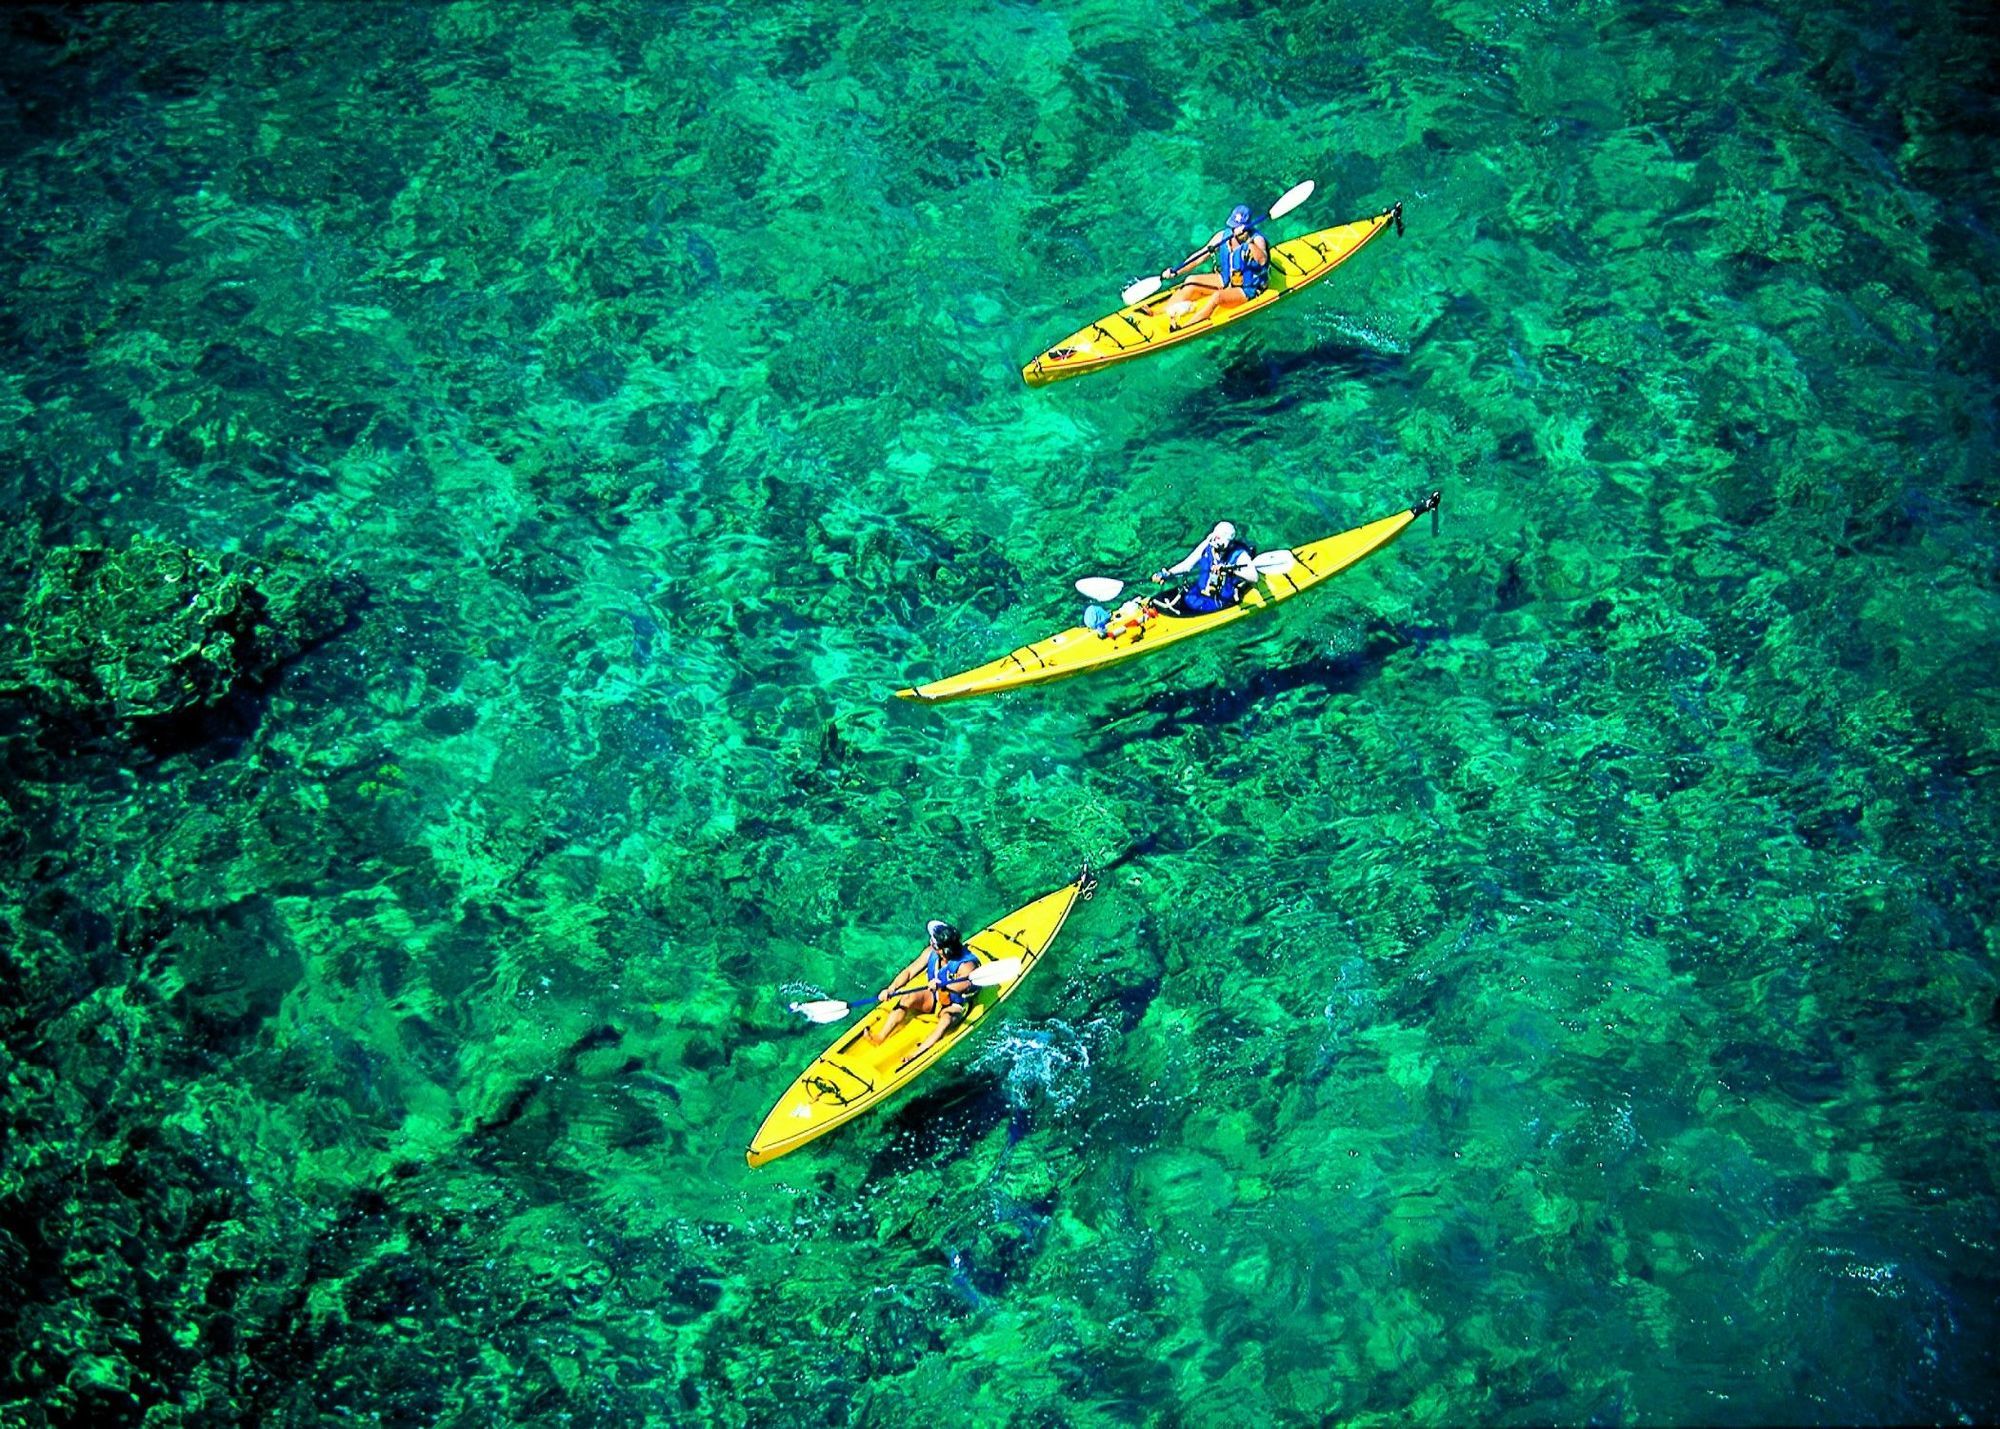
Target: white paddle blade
994, 973
826, 1009
1274, 563
1099, 588
1292, 198
1141, 290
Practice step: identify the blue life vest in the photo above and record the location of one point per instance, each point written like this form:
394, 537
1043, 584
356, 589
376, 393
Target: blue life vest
1230, 261
949, 968
1196, 600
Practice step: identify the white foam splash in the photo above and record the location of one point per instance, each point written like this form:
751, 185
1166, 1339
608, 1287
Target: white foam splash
1359, 331
1050, 1061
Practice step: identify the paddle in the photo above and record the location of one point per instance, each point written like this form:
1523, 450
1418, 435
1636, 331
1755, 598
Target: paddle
1270, 563
832, 1009
1142, 288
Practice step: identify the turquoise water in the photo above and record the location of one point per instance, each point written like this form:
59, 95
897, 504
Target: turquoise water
1545, 975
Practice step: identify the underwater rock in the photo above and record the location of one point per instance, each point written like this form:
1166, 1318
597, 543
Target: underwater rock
120, 639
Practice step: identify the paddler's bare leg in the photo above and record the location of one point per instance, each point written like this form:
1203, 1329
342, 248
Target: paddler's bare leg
945, 1019
1228, 297
1192, 291
900, 1013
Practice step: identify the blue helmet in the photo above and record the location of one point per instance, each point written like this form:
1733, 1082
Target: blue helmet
1240, 216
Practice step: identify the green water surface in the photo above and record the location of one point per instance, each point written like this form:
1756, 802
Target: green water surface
1545, 975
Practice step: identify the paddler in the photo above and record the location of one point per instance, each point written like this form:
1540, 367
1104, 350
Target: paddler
1220, 569
943, 965
1242, 271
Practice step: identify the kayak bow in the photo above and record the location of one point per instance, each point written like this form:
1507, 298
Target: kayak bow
1144, 327
1072, 651
854, 1074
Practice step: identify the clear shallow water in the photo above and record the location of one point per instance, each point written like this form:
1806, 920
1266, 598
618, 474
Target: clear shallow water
1551, 975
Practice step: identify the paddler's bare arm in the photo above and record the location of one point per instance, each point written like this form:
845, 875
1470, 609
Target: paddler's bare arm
902, 978
1183, 565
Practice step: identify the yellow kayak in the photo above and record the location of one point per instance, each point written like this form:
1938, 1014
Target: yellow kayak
854, 1074
1077, 649
1144, 326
